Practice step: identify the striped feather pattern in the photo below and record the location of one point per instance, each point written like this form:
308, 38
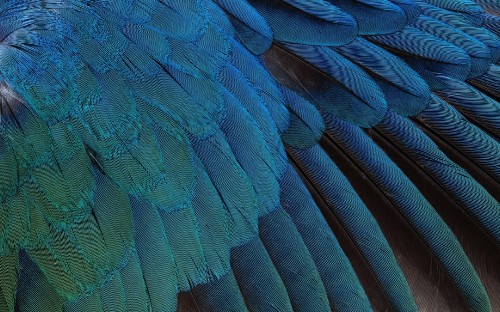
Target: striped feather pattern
250, 26
478, 52
249, 155
374, 16
362, 100
300, 26
468, 7
492, 22
467, 138
488, 82
473, 197
405, 91
439, 56
358, 223
479, 107
406, 198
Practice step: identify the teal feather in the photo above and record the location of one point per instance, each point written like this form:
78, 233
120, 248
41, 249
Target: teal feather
359, 224
155, 256
34, 289
471, 195
207, 155
258, 280
136, 293
9, 268
425, 221
220, 295
298, 271
342, 286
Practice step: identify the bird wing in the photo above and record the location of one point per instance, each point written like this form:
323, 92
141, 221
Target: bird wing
214, 155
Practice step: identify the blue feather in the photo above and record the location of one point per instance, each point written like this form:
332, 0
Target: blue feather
360, 99
297, 271
413, 207
374, 16
343, 289
306, 125
489, 81
478, 52
304, 25
468, 139
479, 107
162, 155
472, 197
405, 91
250, 26
492, 23
427, 54
258, 280
462, 6
359, 224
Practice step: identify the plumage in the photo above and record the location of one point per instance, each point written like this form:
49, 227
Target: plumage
249, 155
413, 207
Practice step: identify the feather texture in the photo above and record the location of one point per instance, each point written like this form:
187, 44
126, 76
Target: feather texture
249, 155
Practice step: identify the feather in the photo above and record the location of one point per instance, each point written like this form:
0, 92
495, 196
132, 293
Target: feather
222, 295
405, 91
214, 155
466, 138
259, 282
478, 52
298, 271
306, 125
334, 77
155, 256
341, 284
491, 23
487, 83
411, 9
255, 104
489, 6
304, 25
251, 27
34, 290
464, 24
405, 197
427, 54
233, 186
374, 16
9, 268
113, 295
465, 190
134, 285
351, 212
257, 75
477, 106
462, 6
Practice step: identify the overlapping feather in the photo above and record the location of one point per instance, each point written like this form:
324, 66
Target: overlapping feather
143, 150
